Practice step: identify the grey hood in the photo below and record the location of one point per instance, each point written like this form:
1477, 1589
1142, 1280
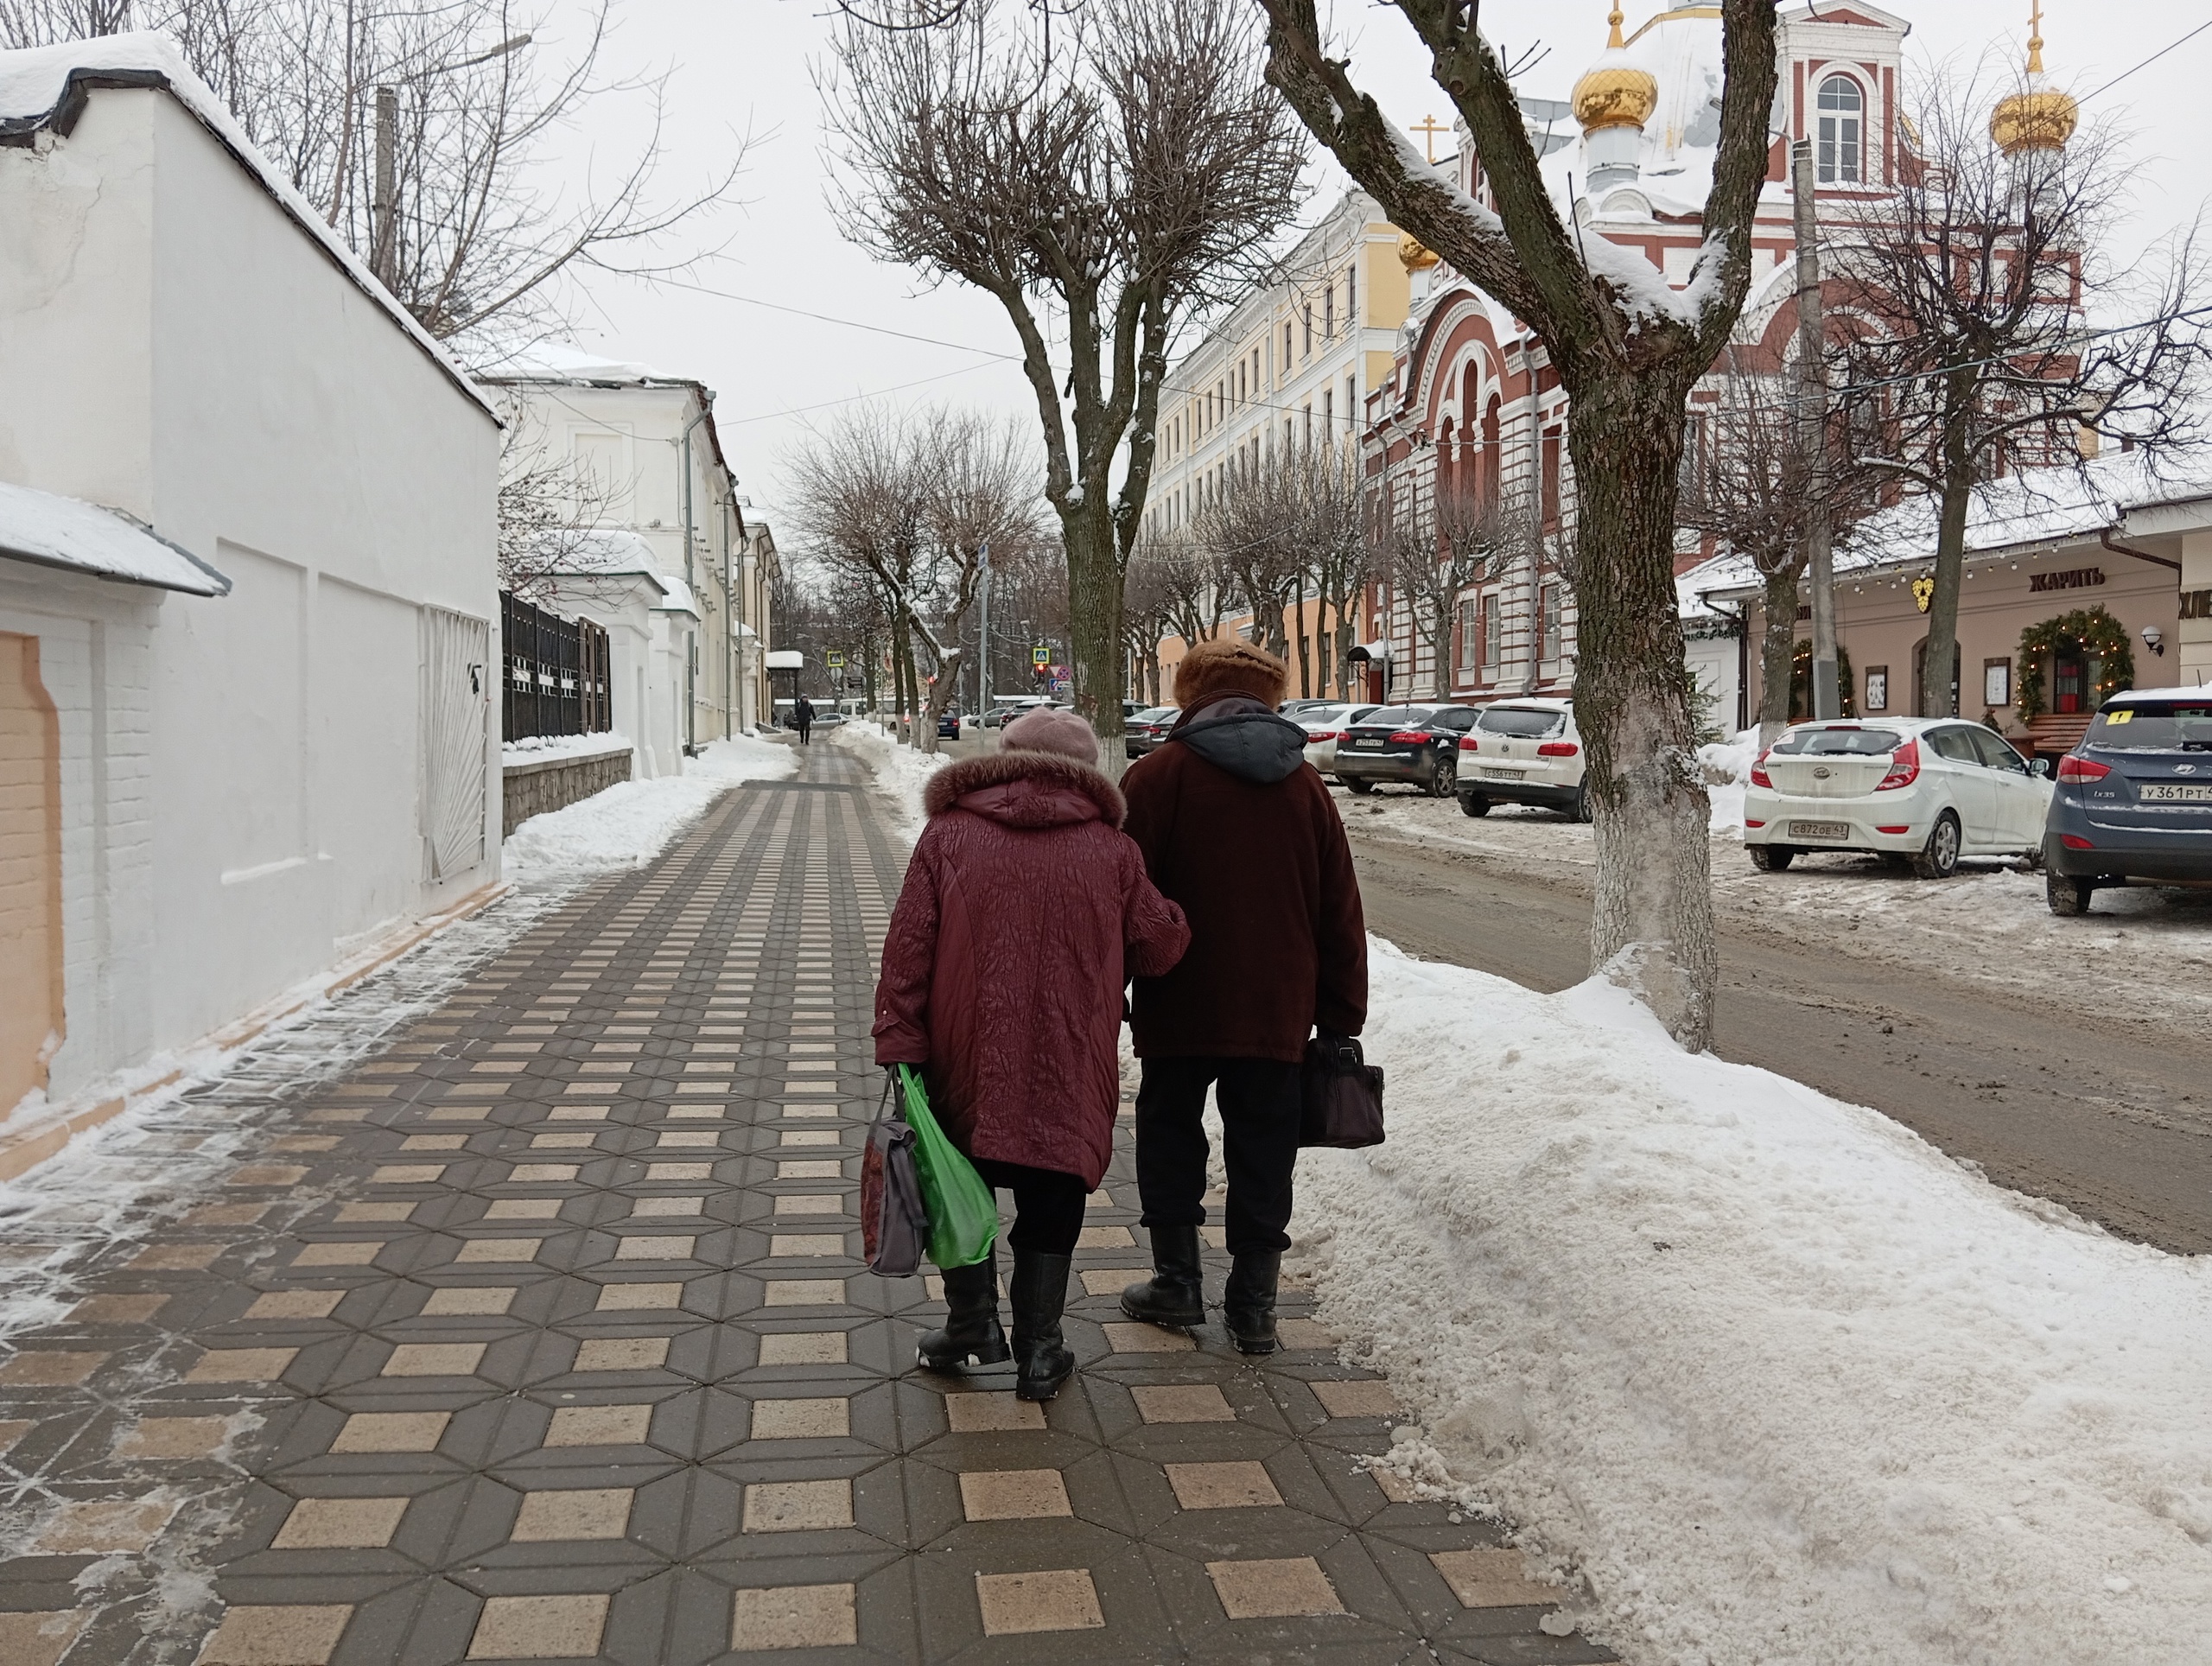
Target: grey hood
1242, 735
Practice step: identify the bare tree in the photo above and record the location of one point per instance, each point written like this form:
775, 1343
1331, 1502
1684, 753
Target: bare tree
452, 103
1194, 587
1433, 552
1976, 280
982, 489
1629, 349
1249, 529
1332, 537
1124, 177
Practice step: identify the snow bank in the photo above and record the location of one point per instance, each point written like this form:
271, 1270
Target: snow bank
901, 771
540, 748
633, 821
1776, 1379
1727, 772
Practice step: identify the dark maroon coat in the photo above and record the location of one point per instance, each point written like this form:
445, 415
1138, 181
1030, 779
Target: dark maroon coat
1025, 910
1238, 828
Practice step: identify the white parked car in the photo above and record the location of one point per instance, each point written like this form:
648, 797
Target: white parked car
1524, 752
1324, 726
1922, 790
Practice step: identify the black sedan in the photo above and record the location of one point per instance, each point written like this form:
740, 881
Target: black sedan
2134, 799
1148, 728
1417, 744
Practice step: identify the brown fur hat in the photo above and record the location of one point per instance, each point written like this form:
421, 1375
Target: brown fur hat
1229, 665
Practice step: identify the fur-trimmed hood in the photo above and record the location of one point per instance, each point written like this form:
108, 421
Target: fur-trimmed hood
1026, 789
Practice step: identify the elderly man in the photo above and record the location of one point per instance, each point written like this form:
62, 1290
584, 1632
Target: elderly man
1238, 829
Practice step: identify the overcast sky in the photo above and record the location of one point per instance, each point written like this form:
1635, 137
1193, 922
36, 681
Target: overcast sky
750, 66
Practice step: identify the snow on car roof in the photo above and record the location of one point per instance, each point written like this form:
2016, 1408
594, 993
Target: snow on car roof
2197, 692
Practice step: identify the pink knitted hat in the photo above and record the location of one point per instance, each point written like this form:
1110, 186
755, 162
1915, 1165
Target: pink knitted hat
1047, 729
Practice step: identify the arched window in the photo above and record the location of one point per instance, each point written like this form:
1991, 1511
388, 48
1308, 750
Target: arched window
1842, 110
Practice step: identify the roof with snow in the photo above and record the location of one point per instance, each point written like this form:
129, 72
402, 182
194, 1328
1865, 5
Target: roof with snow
553, 361
46, 88
51, 530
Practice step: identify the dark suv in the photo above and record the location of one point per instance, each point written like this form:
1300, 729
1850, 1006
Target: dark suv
2134, 799
1418, 745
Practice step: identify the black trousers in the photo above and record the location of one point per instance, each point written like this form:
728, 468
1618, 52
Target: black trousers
1047, 1204
805, 732
1259, 1116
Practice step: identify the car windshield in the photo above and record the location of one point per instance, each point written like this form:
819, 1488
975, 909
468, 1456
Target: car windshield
1526, 722
2168, 726
1398, 716
1838, 742
1149, 715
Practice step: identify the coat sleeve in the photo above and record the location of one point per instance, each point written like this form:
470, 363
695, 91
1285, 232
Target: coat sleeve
1154, 932
1145, 790
902, 989
1340, 932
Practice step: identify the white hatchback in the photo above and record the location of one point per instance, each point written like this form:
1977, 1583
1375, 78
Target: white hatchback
1524, 752
1324, 726
1925, 790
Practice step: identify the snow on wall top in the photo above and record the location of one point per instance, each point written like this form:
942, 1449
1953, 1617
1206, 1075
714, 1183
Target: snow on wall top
44, 88
51, 530
553, 362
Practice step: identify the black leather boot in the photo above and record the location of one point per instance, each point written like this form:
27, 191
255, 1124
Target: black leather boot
971, 1335
1041, 1365
1174, 1295
1248, 1301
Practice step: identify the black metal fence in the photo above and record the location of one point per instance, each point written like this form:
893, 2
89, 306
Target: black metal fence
558, 680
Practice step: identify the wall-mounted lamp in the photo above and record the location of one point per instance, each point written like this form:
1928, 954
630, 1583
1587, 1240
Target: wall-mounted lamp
2154, 639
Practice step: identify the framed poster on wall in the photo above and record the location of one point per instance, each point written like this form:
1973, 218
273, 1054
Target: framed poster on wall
1997, 682
1878, 687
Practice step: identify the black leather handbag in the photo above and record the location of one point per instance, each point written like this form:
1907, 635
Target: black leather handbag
1340, 1095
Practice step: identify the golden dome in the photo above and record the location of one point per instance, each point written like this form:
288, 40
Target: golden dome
2038, 117
1415, 255
1615, 93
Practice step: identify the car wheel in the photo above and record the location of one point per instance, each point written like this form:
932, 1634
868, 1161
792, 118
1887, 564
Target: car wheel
1361, 787
1939, 857
2070, 898
1443, 778
1579, 810
1770, 858
1473, 804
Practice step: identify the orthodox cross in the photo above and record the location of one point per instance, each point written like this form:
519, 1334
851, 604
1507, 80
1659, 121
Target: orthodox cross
1428, 127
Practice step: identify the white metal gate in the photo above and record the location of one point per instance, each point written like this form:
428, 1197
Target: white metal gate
456, 668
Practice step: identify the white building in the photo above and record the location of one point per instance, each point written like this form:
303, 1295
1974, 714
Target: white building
215, 787
646, 445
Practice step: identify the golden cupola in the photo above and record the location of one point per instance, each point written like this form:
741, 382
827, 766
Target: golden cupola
2039, 117
1614, 92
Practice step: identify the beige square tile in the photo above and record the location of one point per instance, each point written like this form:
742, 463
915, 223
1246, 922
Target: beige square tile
1127, 1336
339, 1524
49, 1368
267, 1174
523, 1209
599, 1426
354, 1213
1112, 1280
1105, 1237
539, 1628
536, 1174
339, 1254
797, 1244
793, 1617
1273, 1589
434, 1359
810, 1203
679, 1171
38, 1639
460, 1114
305, 1142
797, 1506
810, 1169
803, 1293
406, 1173
1306, 1334
1491, 1579
631, 1297
392, 1431
227, 1214
1009, 1495
304, 1635
801, 1419
577, 1113
295, 1304
1237, 1486
435, 1142
173, 1437
575, 1513
241, 1366
469, 1299
645, 1207
499, 1249
623, 1353
1183, 1403
175, 1257
809, 1136
1375, 1399
96, 1527
654, 1249
578, 1140
1062, 1599
692, 1138
802, 1348
984, 1412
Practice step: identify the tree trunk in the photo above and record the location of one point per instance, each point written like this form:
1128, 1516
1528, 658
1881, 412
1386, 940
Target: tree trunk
1778, 652
1094, 626
1651, 929
1440, 645
1943, 647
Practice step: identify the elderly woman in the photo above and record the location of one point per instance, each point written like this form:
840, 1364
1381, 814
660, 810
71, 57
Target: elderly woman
1025, 912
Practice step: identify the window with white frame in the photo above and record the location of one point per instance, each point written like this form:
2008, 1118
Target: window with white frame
1493, 631
1837, 147
1549, 614
1471, 634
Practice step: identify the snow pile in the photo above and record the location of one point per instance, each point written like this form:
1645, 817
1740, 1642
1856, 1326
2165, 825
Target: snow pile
1727, 772
1773, 1377
901, 771
541, 748
633, 821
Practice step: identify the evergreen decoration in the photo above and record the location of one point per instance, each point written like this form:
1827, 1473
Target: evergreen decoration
1800, 682
2089, 631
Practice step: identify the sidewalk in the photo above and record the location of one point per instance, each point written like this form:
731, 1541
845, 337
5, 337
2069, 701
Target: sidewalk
541, 1336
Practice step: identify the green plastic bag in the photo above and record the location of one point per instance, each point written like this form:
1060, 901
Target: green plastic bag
964, 1215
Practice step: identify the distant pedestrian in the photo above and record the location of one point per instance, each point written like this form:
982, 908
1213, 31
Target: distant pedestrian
1238, 828
803, 718
1025, 907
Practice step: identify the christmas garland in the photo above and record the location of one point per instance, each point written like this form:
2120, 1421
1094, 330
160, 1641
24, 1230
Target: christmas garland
2090, 631
1801, 681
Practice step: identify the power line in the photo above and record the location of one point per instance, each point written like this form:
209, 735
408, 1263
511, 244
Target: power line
2147, 63
831, 318
800, 410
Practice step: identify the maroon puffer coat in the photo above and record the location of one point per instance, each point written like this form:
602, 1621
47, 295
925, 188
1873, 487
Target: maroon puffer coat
1026, 909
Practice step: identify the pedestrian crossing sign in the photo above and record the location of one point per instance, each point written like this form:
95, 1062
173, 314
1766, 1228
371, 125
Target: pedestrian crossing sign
1041, 656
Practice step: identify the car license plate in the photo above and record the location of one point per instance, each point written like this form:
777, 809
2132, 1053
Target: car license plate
1499, 774
2174, 792
1370, 744
1820, 830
